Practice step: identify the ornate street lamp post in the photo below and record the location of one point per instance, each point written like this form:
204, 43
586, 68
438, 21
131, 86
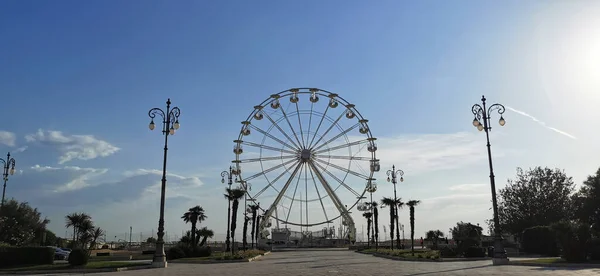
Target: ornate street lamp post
170, 123
371, 188
394, 174
9, 168
229, 174
482, 113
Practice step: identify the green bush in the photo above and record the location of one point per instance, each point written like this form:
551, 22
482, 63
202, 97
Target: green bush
175, 253
148, 252
474, 252
448, 252
78, 257
573, 238
102, 254
13, 256
540, 240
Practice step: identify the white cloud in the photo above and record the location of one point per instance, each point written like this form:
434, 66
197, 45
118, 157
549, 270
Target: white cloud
82, 176
177, 185
82, 147
7, 138
541, 123
21, 149
467, 187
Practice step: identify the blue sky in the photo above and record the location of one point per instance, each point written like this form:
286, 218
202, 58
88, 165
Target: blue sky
79, 78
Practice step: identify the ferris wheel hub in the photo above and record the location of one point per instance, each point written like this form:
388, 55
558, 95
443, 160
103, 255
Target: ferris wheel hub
305, 155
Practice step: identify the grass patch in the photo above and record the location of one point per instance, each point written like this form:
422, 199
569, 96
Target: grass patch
90, 265
223, 256
406, 253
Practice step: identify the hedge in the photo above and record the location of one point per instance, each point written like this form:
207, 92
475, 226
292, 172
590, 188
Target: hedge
14, 256
540, 240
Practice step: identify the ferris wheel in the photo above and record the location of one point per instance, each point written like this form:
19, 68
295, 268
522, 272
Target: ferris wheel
309, 155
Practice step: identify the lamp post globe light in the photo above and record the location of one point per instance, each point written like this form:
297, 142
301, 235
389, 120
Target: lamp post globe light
482, 122
393, 173
170, 123
8, 169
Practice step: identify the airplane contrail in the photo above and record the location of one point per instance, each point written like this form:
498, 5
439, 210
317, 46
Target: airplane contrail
541, 123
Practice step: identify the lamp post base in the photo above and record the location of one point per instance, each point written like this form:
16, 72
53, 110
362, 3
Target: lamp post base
160, 259
500, 261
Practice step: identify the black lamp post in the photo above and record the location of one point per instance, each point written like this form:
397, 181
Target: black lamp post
170, 123
8, 168
229, 175
482, 113
394, 174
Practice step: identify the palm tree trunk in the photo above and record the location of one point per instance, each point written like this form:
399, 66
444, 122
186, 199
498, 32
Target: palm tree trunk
369, 232
252, 232
257, 229
391, 227
412, 230
203, 240
376, 225
245, 238
193, 234
236, 203
397, 229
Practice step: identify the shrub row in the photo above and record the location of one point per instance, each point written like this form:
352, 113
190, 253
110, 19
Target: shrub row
14, 256
185, 251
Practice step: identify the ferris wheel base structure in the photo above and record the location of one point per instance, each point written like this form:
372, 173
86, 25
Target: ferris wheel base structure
309, 159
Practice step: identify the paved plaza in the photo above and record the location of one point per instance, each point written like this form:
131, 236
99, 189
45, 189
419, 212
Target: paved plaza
346, 262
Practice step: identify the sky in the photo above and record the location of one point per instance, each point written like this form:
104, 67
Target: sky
78, 79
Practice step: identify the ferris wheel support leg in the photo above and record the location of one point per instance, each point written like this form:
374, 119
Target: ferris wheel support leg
273, 207
337, 202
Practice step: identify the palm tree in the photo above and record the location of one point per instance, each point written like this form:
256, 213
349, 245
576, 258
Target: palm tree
434, 236
76, 220
194, 215
389, 202
254, 209
234, 195
375, 222
245, 235
399, 205
412, 204
257, 230
368, 216
205, 233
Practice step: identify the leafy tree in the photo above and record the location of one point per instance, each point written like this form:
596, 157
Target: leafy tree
412, 204
234, 195
539, 196
434, 236
194, 215
20, 223
587, 201
466, 235
49, 238
368, 216
390, 203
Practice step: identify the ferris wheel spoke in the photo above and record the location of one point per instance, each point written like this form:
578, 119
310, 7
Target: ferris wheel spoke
319, 195
270, 158
272, 137
270, 183
310, 122
300, 125
338, 180
287, 119
294, 195
355, 143
251, 144
319, 125
338, 136
328, 129
273, 206
342, 157
334, 198
264, 172
362, 176
276, 125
